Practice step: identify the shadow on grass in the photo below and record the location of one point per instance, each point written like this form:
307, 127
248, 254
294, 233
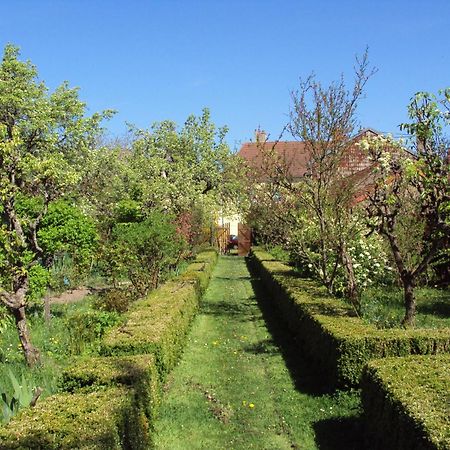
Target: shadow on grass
266, 346
227, 279
440, 308
304, 375
340, 433
239, 311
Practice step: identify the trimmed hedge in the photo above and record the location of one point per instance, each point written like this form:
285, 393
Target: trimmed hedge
136, 372
340, 343
111, 401
406, 403
158, 324
106, 419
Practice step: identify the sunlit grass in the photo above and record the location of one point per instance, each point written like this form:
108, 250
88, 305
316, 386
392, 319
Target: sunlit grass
242, 384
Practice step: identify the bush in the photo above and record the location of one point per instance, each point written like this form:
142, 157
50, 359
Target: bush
406, 403
143, 251
113, 300
65, 229
337, 341
84, 327
138, 372
106, 419
39, 280
159, 323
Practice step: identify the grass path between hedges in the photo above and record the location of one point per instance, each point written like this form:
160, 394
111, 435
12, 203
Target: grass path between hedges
242, 383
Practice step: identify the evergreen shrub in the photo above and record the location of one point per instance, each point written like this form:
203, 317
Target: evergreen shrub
329, 332
406, 403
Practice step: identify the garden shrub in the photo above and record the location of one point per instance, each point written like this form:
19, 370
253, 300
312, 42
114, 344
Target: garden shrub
66, 231
104, 419
143, 251
337, 341
137, 372
406, 403
113, 300
39, 280
85, 327
158, 324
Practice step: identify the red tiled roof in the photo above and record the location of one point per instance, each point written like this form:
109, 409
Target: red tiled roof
294, 155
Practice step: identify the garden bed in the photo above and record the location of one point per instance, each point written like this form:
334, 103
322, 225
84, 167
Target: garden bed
155, 331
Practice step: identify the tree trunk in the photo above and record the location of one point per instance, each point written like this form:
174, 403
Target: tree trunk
352, 285
31, 353
410, 302
15, 301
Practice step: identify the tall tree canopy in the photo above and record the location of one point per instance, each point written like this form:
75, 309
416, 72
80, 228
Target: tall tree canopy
44, 140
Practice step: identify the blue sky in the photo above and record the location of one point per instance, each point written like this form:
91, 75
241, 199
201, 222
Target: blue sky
156, 60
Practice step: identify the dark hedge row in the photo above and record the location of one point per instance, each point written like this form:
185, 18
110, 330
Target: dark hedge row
407, 403
328, 331
110, 402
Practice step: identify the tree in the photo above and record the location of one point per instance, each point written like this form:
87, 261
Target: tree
409, 204
320, 204
44, 139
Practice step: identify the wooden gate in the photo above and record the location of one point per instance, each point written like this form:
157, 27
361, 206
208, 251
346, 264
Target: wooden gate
244, 239
222, 234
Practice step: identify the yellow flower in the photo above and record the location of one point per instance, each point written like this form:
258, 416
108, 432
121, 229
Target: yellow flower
251, 405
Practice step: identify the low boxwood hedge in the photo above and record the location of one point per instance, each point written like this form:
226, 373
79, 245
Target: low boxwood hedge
105, 419
158, 324
406, 403
137, 372
328, 330
110, 402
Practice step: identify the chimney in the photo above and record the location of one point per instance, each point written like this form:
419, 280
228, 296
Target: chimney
260, 136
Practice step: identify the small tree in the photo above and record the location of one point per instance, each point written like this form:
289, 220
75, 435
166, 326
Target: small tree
409, 204
143, 251
324, 119
43, 140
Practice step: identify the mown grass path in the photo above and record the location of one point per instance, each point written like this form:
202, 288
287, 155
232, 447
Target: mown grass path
241, 382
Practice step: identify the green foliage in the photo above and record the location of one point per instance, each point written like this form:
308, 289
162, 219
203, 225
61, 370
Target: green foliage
406, 402
137, 372
108, 418
383, 307
85, 327
65, 229
39, 280
128, 211
338, 342
117, 300
21, 397
158, 324
144, 251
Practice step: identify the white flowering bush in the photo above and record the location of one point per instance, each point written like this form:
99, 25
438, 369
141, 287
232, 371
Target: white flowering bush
370, 264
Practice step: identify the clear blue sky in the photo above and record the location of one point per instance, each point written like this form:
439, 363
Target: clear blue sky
156, 60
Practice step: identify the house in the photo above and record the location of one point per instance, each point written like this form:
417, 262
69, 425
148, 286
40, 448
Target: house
294, 158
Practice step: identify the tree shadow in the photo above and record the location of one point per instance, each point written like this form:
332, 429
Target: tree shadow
440, 308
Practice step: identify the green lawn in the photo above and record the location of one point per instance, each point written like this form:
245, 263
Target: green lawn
384, 307
242, 384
